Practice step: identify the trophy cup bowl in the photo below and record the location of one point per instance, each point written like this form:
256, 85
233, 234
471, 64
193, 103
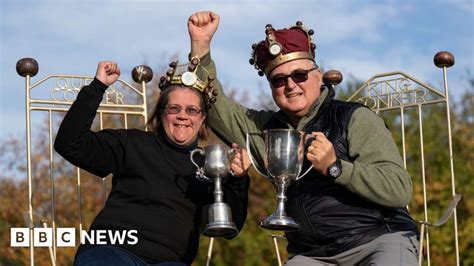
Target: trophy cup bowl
216, 166
283, 160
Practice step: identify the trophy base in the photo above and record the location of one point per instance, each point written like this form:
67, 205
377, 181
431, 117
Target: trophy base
281, 223
220, 229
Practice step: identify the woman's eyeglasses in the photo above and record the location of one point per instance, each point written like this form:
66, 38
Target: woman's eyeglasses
298, 76
176, 109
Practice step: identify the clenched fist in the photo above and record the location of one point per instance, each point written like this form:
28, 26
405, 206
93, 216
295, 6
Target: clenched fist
107, 72
201, 27
321, 153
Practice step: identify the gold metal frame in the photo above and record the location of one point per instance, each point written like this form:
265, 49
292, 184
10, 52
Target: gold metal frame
61, 97
393, 91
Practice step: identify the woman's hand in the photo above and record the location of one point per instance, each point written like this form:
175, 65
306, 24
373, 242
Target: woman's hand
241, 162
201, 27
107, 72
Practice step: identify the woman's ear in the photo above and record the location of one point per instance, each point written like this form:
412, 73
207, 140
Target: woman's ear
203, 120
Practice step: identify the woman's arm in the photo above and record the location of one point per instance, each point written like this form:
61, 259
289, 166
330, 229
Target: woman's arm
97, 152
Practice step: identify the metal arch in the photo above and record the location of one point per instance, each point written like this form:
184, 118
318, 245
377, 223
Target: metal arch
393, 73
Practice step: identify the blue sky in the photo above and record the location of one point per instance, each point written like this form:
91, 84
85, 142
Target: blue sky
361, 38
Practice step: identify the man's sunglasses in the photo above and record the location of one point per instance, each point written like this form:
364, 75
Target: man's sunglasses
176, 109
298, 76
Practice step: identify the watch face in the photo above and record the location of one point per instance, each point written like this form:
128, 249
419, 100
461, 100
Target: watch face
275, 49
335, 171
188, 78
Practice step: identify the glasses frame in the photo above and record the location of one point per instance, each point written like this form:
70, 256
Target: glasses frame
176, 109
274, 81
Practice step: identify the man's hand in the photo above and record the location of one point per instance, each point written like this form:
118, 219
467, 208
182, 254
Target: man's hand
201, 27
107, 72
241, 162
321, 153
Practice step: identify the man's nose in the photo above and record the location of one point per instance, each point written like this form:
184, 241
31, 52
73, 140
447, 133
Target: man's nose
290, 83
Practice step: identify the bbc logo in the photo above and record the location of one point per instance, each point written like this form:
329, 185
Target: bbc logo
66, 237
43, 237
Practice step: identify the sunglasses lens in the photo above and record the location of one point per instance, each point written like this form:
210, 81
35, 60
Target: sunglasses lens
299, 76
278, 81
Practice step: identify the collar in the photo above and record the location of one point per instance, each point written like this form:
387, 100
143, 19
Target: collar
327, 94
181, 148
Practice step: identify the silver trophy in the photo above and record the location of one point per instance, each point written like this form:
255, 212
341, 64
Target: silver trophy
283, 160
216, 166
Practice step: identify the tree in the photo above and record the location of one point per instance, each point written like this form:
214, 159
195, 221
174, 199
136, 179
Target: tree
253, 246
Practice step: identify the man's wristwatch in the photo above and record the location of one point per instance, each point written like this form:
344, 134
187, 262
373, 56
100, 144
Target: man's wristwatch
335, 169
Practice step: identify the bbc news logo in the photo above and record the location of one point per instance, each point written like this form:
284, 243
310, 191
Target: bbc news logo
66, 237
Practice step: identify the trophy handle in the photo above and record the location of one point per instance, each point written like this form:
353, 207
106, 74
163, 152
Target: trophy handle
307, 138
232, 151
252, 161
200, 171
307, 171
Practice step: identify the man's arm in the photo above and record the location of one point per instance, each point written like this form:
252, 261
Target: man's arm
377, 173
231, 121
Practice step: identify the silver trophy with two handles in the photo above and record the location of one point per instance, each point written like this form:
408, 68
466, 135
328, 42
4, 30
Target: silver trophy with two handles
216, 166
283, 160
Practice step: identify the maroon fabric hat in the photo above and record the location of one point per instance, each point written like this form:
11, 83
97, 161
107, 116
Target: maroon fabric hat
282, 46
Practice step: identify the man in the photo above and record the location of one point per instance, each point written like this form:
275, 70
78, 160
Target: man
351, 205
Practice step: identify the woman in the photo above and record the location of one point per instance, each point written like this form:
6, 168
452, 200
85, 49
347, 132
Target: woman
154, 185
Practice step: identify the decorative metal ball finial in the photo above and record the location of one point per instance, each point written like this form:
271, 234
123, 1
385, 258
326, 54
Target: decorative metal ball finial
142, 73
443, 59
332, 77
27, 67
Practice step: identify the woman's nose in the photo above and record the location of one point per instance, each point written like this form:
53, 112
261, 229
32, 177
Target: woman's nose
182, 114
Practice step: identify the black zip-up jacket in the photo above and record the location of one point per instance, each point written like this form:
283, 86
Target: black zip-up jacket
154, 186
332, 219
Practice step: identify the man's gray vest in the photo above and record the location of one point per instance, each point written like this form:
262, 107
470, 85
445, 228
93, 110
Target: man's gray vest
332, 218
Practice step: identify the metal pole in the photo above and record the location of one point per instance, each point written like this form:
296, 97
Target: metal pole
423, 177
51, 176
209, 252
277, 251
420, 252
451, 161
51, 252
145, 107
79, 198
28, 166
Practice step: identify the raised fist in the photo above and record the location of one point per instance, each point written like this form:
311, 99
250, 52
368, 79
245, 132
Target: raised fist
107, 72
202, 26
